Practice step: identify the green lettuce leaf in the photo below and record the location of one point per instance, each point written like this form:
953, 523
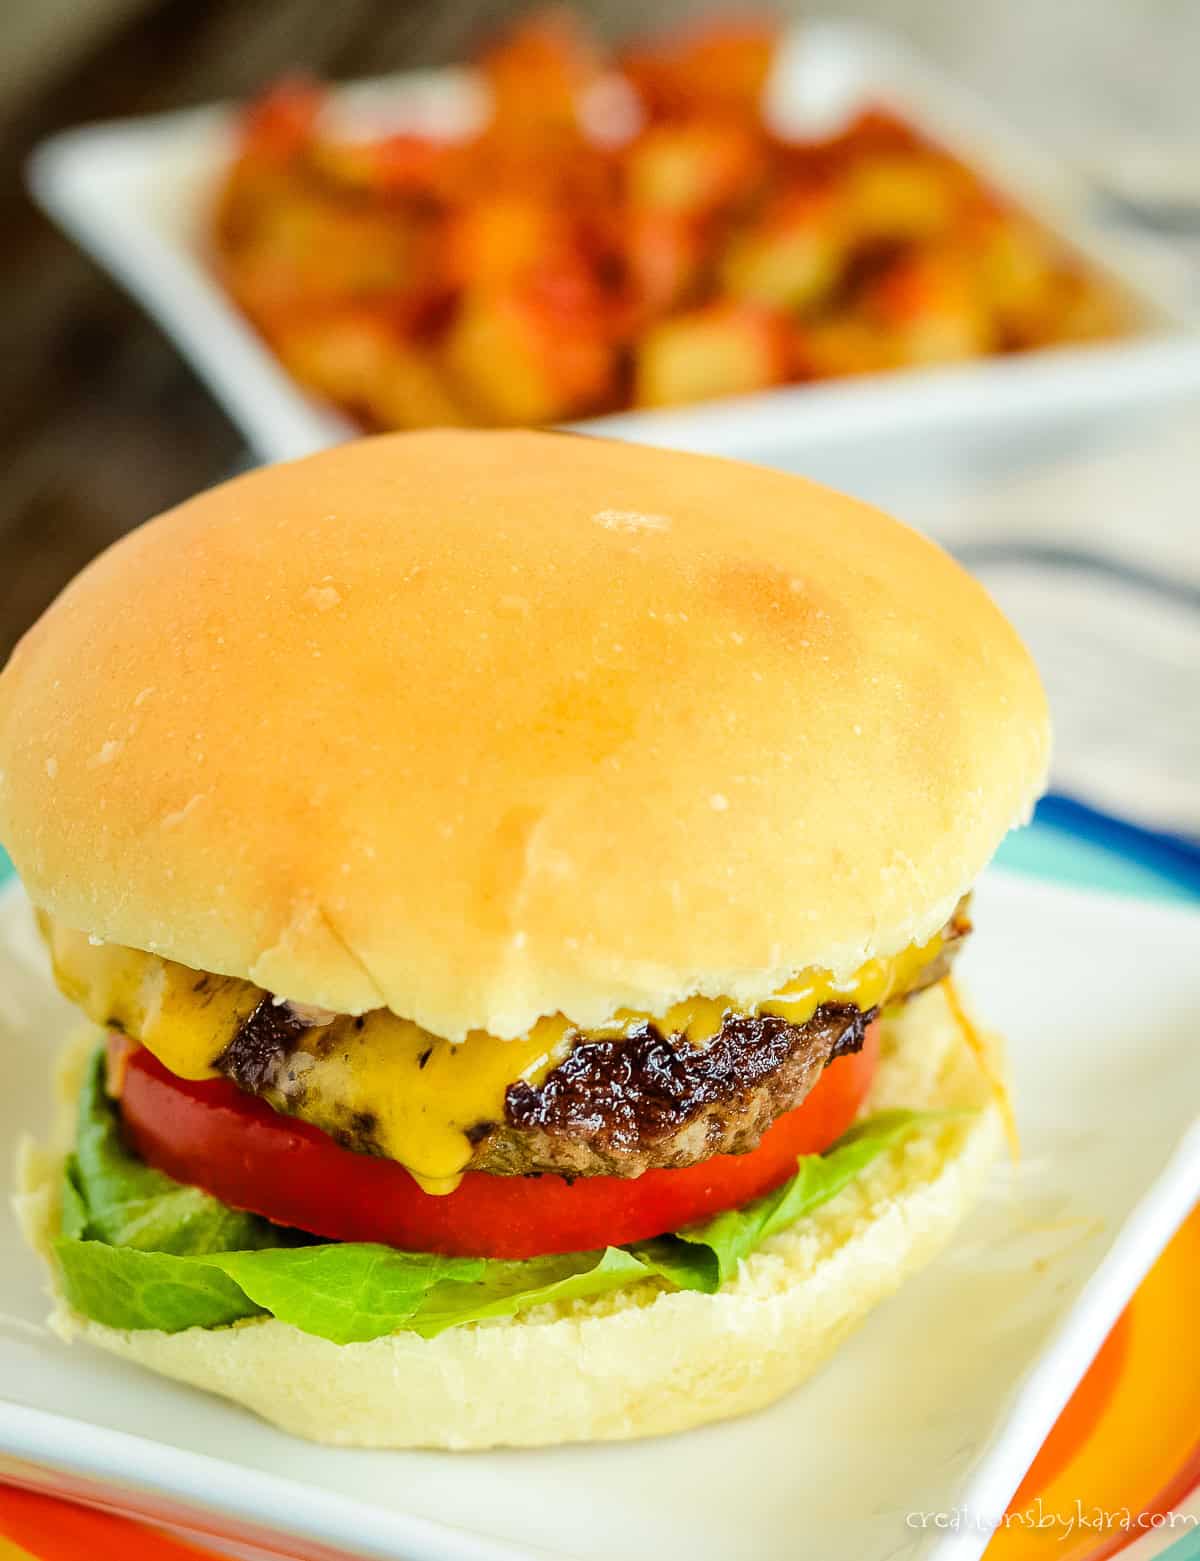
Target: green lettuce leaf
137, 1249
126, 1288
129, 1204
503, 1289
73, 1214
346, 1292
725, 1240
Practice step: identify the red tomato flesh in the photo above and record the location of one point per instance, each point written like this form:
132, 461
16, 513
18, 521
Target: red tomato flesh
212, 1135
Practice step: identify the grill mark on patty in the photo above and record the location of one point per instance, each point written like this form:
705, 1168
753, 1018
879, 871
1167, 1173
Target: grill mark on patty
618, 1108
258, 1054
611, 1107
653, 1101
634, 1091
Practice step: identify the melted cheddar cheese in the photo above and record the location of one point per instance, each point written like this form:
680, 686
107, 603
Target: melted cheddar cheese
420, 1092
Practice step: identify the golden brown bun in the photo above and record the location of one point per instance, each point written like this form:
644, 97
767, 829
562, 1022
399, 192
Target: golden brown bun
484, 726
636, 1363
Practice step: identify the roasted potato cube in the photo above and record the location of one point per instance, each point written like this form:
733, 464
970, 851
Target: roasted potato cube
724, 349
791, 257
1014, 264
902, 197
516, 358
1034, 293
694, 169
304, 249
536, 73
1086, 308
842, 345
536, 141
336, 354
928, 310
665, 258
498, 239
282, 121
718, 67
414, 391
360, 360
395, 167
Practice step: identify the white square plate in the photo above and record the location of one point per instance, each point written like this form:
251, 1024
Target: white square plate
941, 1399
136, 195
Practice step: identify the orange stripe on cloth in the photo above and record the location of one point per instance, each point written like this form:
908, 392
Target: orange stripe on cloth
11, 1552
46, 1529
1127, 1445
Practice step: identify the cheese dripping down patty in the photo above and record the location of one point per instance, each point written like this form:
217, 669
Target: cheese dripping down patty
424, 1093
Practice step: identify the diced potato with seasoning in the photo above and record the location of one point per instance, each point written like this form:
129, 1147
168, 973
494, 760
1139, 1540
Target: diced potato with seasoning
724, 349
359, 360
498, 239
792, 257
306, 253
1086, 309
716, 66
408, 167
536, 72
282, 122
665, 258
514, 360
1015, 272
929, 309
694, 169
841, 345
904, 197
623, 229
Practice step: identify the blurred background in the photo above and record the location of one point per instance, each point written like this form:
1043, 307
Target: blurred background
1079, 514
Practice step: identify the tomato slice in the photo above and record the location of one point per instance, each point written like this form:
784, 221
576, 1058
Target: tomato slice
212, 1135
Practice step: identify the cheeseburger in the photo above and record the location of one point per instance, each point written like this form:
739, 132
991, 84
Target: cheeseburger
513, 883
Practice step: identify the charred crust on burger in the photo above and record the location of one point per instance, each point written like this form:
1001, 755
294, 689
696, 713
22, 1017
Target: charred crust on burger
257, 1055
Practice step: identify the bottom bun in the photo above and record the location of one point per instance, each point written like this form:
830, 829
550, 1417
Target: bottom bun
638, 1362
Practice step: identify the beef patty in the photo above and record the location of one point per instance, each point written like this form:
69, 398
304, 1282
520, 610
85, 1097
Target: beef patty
612, 1107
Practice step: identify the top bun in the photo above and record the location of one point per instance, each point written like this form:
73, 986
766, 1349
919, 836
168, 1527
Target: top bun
485, 726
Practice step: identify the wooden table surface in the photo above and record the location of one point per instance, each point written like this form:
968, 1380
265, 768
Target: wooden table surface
101, 423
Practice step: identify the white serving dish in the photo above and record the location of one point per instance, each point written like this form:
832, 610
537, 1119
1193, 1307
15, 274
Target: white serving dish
135, 195
938, 1402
